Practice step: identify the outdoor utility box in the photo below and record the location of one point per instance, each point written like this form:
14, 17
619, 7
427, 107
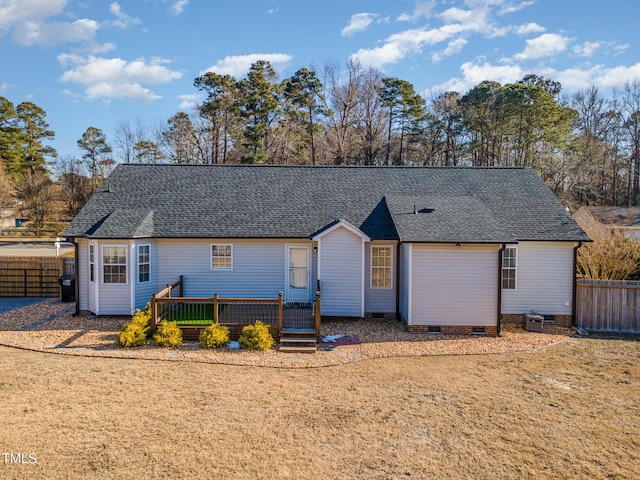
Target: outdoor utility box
533, 322
67, 288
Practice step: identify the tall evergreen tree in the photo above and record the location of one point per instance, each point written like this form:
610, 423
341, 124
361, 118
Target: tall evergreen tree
97, 154
306, 104
259, 105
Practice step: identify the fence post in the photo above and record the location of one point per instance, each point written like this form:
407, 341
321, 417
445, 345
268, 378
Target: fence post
181, 287
215, 308
24, 273
318, 313
279, 313
154, 313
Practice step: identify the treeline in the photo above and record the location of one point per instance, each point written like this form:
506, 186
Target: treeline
585, 146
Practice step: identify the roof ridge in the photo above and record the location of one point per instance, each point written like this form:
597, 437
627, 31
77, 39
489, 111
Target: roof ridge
373, 167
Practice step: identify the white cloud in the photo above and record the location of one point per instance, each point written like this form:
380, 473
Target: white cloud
618, 49
530, 28
28, 20
398, 46
455, 46
422, 9
189, 101
546, 45
108, 78
178, 6
571, 79
239, 65
123, 20
34, 33
587, 49
14, 12
473, 74
510, 7
359, 23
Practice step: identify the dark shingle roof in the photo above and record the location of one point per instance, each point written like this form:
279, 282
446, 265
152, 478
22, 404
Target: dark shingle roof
618, 216
240, 201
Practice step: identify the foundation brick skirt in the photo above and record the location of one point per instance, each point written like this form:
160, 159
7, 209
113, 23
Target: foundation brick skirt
489, 331
549, 319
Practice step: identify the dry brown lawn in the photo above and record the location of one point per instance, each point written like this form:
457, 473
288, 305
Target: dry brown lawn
567, 411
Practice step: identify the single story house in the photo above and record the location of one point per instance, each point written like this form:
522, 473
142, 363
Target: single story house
451, 249
603, 222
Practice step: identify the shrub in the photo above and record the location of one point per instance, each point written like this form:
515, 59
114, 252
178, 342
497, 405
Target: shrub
256, 337
168, 335
143, 318
609, 258
214, 336
132, 335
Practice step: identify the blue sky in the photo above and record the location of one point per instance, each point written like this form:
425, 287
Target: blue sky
98, 63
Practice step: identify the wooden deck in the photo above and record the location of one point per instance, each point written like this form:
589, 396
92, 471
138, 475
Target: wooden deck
194, 314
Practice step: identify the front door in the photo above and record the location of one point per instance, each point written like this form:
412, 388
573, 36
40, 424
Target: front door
297, 273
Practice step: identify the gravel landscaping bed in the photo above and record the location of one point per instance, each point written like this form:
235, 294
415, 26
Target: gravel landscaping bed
50, 326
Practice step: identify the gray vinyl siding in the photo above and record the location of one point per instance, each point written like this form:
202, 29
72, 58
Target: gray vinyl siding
82, 274
454, 285
341, 267
114, 299
144, 290
379, 299
258, 267
405, 251
544, 279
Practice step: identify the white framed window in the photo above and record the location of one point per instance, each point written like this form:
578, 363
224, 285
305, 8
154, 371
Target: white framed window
221, 257
144, 262
114, 264
381, 266
509, 261
92, 263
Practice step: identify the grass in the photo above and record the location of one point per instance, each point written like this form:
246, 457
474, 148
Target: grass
567, 411
192, 314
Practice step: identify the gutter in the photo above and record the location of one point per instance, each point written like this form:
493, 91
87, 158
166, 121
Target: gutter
574, 300
77, 271
398, 317
499, 319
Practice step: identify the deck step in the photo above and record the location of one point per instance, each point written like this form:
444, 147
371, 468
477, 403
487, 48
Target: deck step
298, 340
297, 349
307, 331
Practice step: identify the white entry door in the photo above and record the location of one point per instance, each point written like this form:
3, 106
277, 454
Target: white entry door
297, 273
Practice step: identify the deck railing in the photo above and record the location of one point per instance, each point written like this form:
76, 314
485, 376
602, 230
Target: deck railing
193, 313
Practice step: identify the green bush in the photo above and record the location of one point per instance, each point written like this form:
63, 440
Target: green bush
214, 336
256, 337
132, 335
168, 335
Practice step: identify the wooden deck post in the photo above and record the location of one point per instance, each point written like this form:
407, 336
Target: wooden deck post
279, 313
215, 308
181, 286
318, 313
154, 312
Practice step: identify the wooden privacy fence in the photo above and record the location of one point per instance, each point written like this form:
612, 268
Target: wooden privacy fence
193, 314
608, 306
30, 276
